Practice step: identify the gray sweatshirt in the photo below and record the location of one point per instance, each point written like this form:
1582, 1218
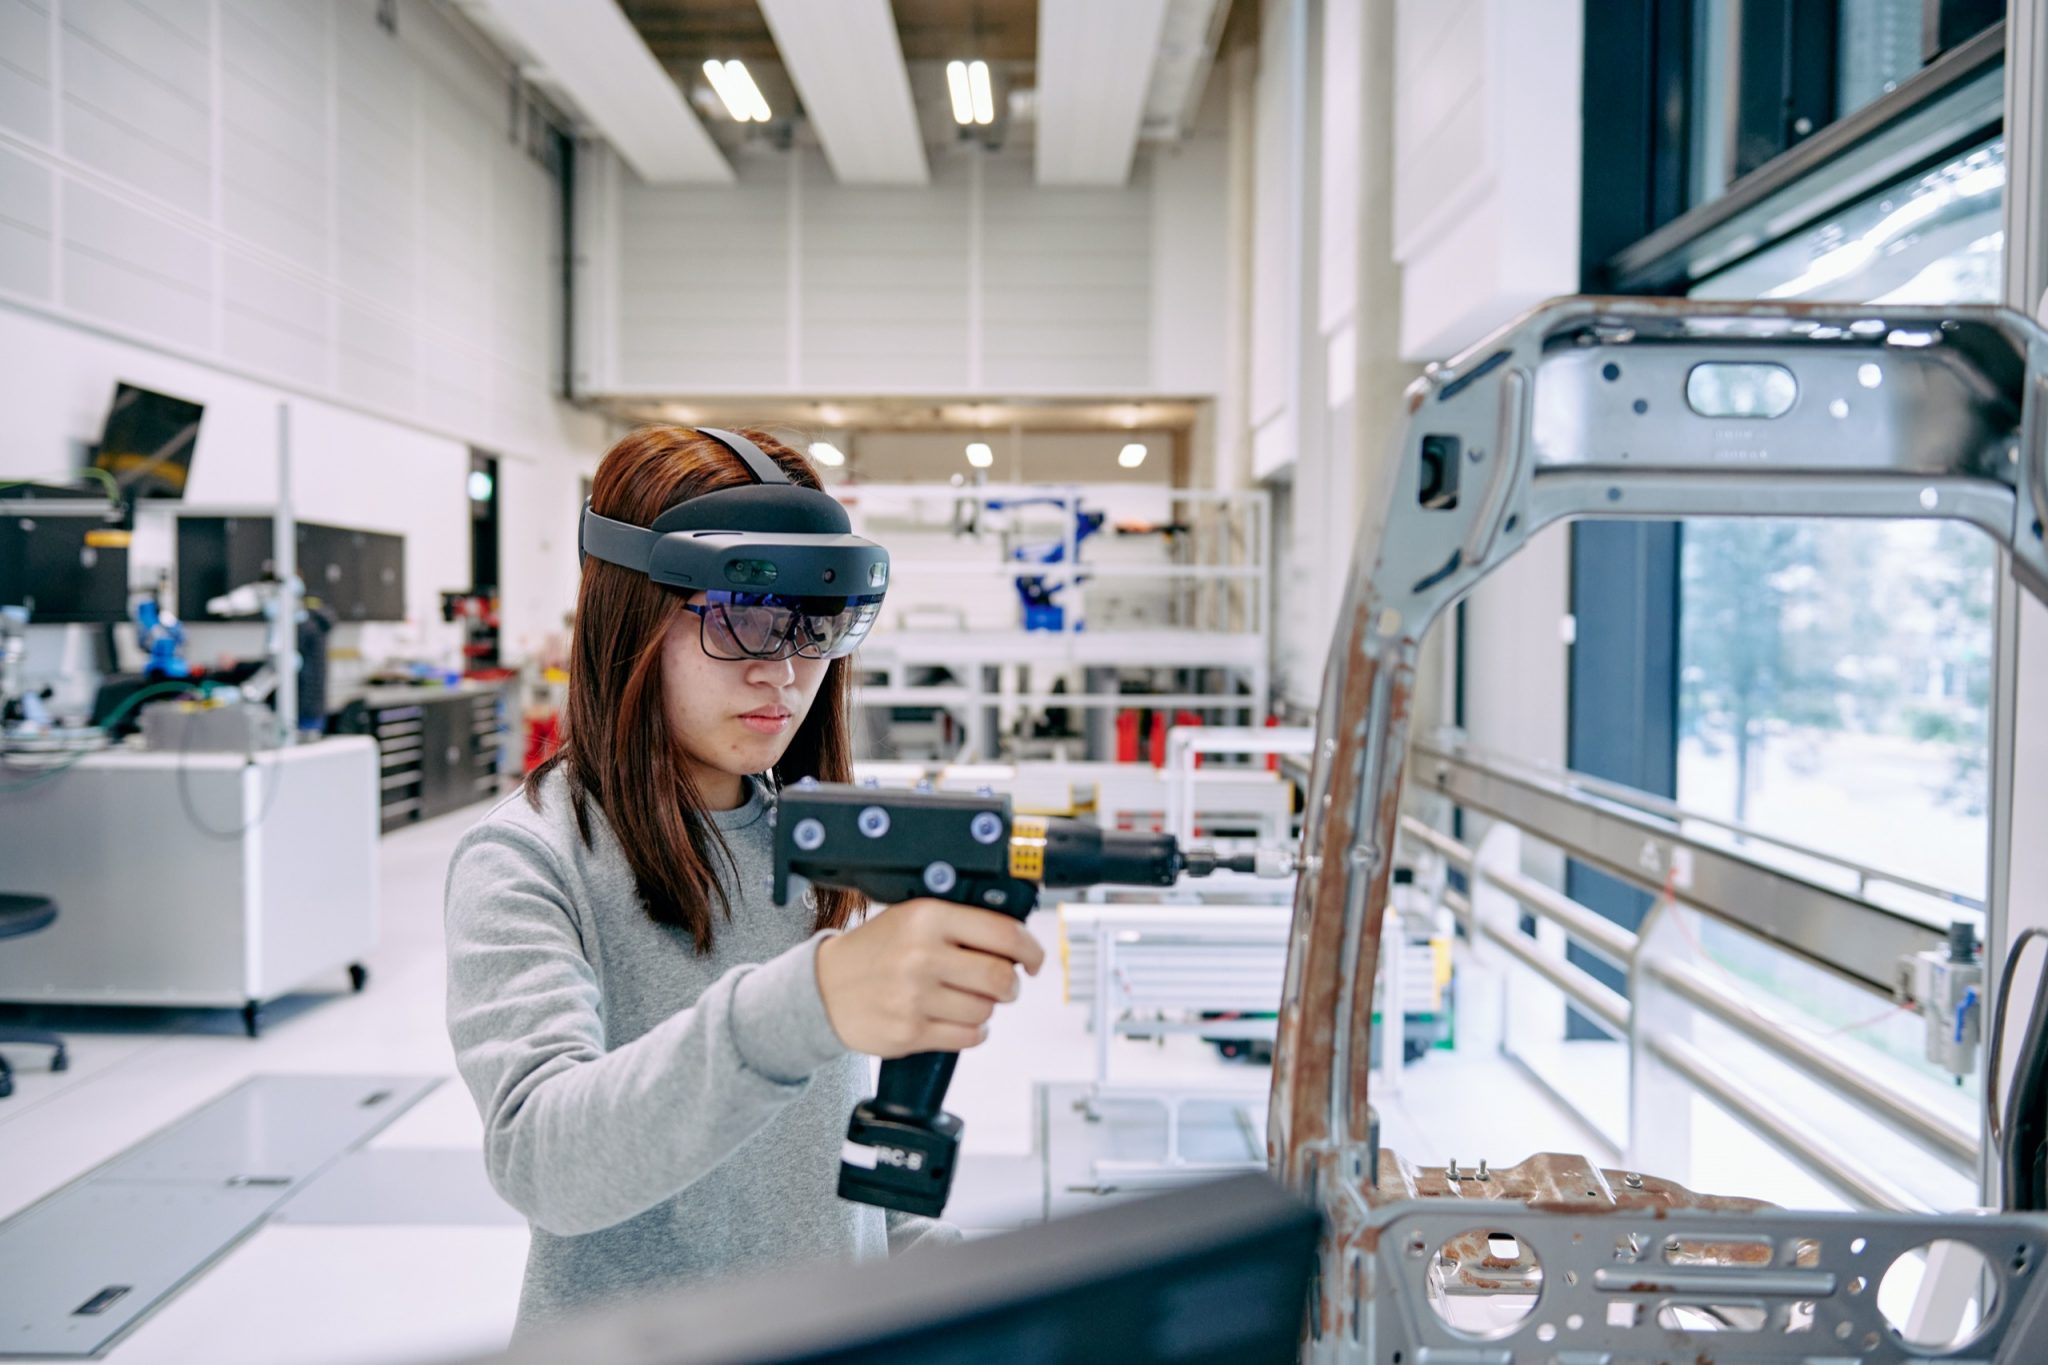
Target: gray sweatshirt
660, 1117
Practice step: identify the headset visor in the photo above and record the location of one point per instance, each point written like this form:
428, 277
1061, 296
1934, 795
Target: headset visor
754, 625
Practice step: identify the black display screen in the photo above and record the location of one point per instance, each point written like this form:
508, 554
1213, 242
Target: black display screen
147, 443
52, 566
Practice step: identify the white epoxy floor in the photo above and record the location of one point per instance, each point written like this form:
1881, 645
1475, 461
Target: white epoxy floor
306, 1294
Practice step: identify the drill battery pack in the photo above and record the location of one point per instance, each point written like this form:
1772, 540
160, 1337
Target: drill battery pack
899, 1165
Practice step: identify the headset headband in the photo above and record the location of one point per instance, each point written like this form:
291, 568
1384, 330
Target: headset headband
770, 535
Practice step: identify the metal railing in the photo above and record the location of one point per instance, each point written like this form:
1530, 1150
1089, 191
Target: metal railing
1862, 875
1594, 821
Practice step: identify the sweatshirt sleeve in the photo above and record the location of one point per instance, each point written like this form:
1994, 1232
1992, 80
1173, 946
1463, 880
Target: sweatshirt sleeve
578, 1138
910, 1231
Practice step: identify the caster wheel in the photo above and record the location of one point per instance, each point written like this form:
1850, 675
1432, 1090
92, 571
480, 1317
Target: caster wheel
61, 1062
358, 977
252, 1019
6, 1086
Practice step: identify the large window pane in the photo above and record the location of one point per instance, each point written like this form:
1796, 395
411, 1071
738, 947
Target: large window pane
1935, 238
1859, 53
1835, 686
1877, 45
1835, 675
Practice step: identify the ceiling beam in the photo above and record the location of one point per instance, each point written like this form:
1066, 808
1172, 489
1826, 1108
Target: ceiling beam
591, 54
846, 62
1094, 68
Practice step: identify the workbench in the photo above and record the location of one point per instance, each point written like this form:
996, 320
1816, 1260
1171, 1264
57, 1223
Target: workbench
209, 879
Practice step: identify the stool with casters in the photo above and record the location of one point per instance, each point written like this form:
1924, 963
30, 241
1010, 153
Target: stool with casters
24, 914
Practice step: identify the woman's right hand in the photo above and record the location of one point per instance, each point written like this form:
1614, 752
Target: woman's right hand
922, 976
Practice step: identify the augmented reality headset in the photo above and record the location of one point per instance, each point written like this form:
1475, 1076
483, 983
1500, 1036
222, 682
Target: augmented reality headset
779, 567
770, 536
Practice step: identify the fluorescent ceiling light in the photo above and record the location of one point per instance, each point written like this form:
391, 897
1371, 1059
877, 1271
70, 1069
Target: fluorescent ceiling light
984, 96
743, 80
714, 71
736, 88
963, 99
980, 455
827, 454
1132, 455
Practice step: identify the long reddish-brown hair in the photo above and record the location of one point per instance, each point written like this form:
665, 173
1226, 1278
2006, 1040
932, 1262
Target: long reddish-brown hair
617, 750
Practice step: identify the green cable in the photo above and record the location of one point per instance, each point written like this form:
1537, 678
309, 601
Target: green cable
113, 719
107, 480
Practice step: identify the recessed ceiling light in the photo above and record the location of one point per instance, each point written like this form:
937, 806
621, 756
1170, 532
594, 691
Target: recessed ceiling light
980, 454
1132, 455
827, 454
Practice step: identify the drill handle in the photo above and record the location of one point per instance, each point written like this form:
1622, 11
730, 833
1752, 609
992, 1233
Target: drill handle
914, 1087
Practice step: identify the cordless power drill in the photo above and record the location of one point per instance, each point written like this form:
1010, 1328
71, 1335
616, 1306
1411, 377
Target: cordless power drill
901, 1148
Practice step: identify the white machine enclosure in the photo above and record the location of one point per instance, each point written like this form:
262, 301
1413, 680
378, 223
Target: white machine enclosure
200, 879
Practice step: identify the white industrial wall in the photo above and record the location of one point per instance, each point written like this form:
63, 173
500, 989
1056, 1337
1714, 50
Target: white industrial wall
1343, 111
1487, 164
978, 284
248, 201
1317, 395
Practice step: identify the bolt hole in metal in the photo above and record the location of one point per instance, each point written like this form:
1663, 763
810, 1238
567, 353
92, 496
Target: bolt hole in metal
1485, 1283
1746, 389
1721, 1317
1741, 1251
1960, 1273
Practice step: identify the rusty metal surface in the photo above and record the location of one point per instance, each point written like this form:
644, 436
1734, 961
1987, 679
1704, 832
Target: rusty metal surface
1549, 1181
1500, 1283
1579, 409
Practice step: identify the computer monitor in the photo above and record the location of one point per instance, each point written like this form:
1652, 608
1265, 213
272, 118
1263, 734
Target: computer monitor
1212, 1274
147, 443
62, 568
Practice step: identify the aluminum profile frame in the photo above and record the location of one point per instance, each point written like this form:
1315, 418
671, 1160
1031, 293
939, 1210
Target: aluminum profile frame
1580, 409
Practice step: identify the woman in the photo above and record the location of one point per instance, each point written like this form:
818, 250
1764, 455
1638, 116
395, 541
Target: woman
664, 1059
